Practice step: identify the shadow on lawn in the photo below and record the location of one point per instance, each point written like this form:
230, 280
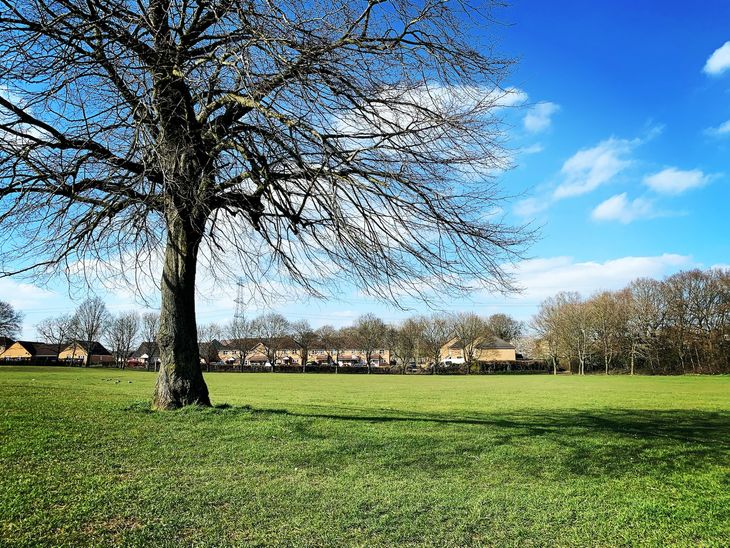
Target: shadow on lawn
601, 442
681, 425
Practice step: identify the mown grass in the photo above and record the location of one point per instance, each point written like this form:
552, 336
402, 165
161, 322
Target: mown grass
380, 460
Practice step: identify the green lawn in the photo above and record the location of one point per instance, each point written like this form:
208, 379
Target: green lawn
380, 460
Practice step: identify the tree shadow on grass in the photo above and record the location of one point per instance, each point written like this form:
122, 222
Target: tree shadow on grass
681, 425
606, 442
599, 442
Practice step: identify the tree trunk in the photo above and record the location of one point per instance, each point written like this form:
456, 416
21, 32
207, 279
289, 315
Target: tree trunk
633, 354
180, 380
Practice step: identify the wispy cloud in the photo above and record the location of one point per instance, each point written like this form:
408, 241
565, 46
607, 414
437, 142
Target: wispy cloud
719, 131
719, 61
532, 149
620, 208
590, 168
23, 296
545, 277
529, 207
508, 97
676, 181
587, 170
539, 117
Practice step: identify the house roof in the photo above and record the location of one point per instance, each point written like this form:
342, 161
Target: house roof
288, 343
39, 348
215, 344
486, 343
97, 349
147, 348
349, 357
249, 343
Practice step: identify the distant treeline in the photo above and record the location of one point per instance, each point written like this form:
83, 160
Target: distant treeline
673, 326
677, 325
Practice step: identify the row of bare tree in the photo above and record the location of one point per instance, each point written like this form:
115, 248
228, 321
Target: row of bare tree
677, 325
92, 322
419, 338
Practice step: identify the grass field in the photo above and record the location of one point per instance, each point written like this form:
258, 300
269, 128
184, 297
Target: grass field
380, 460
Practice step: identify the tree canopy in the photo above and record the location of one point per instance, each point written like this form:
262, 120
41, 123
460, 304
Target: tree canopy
300, 141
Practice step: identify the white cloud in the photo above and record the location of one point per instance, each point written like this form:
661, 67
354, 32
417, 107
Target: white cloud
542, 278
11, 139
620, 208
590, 168
719, 61
529, 207
676, 181
539, 117
719, 131
586, 170
23, 295
532, 149
508, 97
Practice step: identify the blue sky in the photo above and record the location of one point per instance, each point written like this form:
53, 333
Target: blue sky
621, 157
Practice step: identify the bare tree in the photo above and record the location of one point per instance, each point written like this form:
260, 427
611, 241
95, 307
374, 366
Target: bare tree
241, 331
505, 327
210, 345
574, 328
331, 342
546, 324
325, 134
578, 328
11, 320
122, 334
271, 328
676, 325
403, 340
527, 346
646, 320
437, 331
370, 332
150, 327
304, 337
58, 331
610, 319
470, 330
91, 321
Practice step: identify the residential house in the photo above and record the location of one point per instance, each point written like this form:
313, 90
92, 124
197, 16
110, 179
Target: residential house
146, 354
253, 350
289, 353
30, 352
78, 353
488, 349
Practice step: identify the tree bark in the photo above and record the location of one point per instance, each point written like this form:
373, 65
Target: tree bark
180, 380
633, 354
